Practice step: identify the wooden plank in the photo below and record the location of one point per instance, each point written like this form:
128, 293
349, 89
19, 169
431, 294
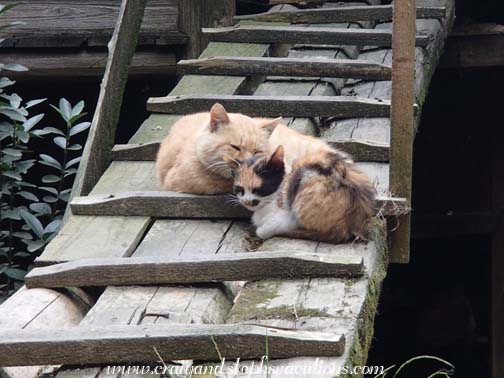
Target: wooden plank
193, 15
181, 205
299, 34
402, 118
274, 106
312, 67
96, 345
86, 237
329, 304
38, 309
340, 14
96, 154
61, 63
359, 150
53, 23
244, 266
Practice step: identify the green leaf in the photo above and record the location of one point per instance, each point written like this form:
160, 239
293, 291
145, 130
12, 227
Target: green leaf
23, 136
70, 172
13, 66
24, 166
15, 100
22, 235
28, 195
77, 109
79, 128
73, 162
49, 199
65, 109
49, 189
31, 103
6, 82
50, 179
12, 152
34, 245
50, 161
53, 227
65, 195
74, 147
13, 175
60, 142
28, 125
13, 114
6, 8
33, 223
6, 126
41, 208
54, 130
15, 273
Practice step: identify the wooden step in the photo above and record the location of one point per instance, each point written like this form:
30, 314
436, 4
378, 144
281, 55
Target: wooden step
306, 67
303, 35
245, 266
360, 150
274, 106
339, 14
180, 205
118, 343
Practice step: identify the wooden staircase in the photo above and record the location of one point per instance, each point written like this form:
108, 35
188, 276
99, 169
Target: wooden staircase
304, 301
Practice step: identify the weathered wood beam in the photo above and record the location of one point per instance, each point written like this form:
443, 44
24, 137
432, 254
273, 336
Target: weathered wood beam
245, 266
180, 205
274, 106
402, 118
193, 15
61, 63
96, 154
307, 67
100, 345
299, 34
340, 14
360, 150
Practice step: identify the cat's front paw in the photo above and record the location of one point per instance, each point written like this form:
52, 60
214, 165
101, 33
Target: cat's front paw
264, 233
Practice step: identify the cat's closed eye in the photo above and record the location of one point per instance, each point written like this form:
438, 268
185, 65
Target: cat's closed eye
238, 190
237, 148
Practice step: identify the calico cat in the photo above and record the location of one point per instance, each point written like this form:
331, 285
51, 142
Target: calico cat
191, 158
324, 197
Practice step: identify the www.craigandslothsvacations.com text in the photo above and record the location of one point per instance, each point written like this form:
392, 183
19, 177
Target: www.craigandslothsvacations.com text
246, 369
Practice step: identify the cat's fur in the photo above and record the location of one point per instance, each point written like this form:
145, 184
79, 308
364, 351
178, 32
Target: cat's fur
191, 158
323, 197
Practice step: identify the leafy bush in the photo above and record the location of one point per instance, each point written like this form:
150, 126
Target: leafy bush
31, 213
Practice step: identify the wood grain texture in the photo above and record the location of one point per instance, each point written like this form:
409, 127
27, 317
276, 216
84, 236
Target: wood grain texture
193, 15
359, 150
96, 345
274, 106
96, 154
340, 14
296, 34
38, 309
181, 205
52, 23
402, 119
61, 63
312, 67
245, 266
86, 237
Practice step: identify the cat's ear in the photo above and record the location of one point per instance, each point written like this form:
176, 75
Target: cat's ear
218, 117
276, 161
270, 124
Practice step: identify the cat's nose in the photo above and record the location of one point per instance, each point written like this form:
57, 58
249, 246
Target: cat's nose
250, 203
255, 202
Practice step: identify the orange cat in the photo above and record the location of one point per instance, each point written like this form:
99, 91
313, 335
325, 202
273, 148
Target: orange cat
191, 158
322, 195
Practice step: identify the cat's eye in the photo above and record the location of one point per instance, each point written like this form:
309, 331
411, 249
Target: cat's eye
238, 189
237, 148
258, 191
